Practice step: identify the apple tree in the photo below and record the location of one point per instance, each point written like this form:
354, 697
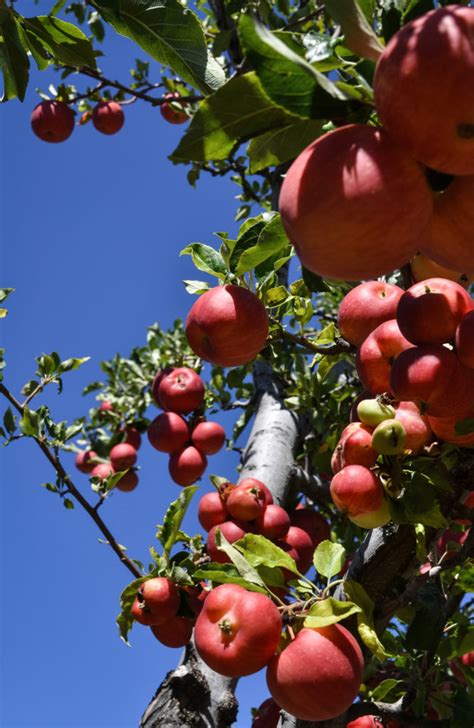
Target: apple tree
337, 324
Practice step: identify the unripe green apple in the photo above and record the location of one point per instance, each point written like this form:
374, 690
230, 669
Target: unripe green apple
373, 519
389, 437
373, 412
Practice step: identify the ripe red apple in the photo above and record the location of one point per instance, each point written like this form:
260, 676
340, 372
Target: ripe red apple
464, 340
128, 482
468, 500
346, 193
237, 631
450, 241
357, 491
430, 311
267, 715
313, 523
208, 437
246, 502
273, 523
450, 536
227, 326
105, 406
433, 377
211, 510
445, 429
83, 461
424, 98
377, 354
232, 531
108, 117
259, 485
170, 110
52, 121
423, 267
132, 436
187, 465
175, 632
458, 665
354, 447
168, 432
417, 427
318, 675
181, 390
102, 471
302, 543
365, 307
155, 386
123, 456
366, 721
158, 601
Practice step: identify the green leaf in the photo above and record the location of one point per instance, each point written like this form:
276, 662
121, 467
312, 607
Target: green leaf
68, 365
225, 574
329, 611
271, 239
68, 504
220, 123
420, 503
9, 421
385, 688
246, 240
259, 550
276, 296
169, 33
326, 336
30, 423
425, 630
287, 78
168, 532
206, 259
64, 41
240, 562
13, 60
329, 558
196, 287
359, 37
127, 597
283, 144
4, 293
365, 622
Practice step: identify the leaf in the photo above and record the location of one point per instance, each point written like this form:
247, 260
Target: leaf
9, 421
169, 33
64, 41
271, 240
384, 688
365, 622
326, 336
359, 37
329, 558
13, 60
245, 241
242, 565
425, 630
276, 296
4, 293
30, 423
259, 550
168, 532
68, 365
127, 597
220, 123
68, 504
225, 574
286, 77
206, 259
329, 611
282, 144
196, 287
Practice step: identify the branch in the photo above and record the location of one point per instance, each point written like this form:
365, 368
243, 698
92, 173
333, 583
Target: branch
62, 474
341, 346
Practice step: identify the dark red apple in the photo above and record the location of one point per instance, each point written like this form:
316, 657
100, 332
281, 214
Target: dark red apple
181, 390
108, 117
464, 340
187, 465
52, 121
365, 307
377, 354
123, 456
208, 437
168, 432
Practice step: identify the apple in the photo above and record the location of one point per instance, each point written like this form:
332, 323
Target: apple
175, 632
464, 340
208, 437
366, 721
376, 355
168, 432
105, 406
157, 601
123, 456
430, 311
302, 543
212, 510
313, 523
187, 465
461, 664
357, 491
365, 307
450, 241
108, 117
417, 427
345, 194
389, 437
354, 447
102, 471
445, 429
181, 390
246, 501
318, 675
227, 326
128, 482
155, 385
172, 111
468, 500
267, 715
374, 411
425, 98
84, 461
254, 483
432, 376
232, 531
423, 267
52, 121
132, 436
237, 631
273, 522
450, 536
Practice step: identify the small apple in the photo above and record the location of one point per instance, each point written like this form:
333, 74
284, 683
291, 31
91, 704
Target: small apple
172, 111
102, 471
212, 510
208, 437
365, 307
108, 117
464, 340
376, 355
374, 411
357, 491
52, 121
181, 390
168, 432
84, 461
389, 437
187, 465
128, 482
123, 456
175, 632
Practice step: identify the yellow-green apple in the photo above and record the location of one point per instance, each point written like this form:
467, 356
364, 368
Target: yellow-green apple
108, 117
423, 267
433, 377
187, 465
376, 355
52, 121
318, 675
358, 492
343, 204
374, 411
424, 95
168, 432
451, 241
417, 427
464, 340
181, 390
430, 311
227, 326
208, 437
123, 456
365, 307
389, 437
354, 447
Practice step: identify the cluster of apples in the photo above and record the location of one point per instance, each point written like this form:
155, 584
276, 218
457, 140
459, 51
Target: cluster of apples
248, 508
356, 203
180, 391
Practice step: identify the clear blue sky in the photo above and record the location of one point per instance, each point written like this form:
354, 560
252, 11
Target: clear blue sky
90, 235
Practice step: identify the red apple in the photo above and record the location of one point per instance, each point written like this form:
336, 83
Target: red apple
318, 675
423, 267
83, 461
254, 483
246, 502
211, 510
187, 465
132, 436
170, 110
108, 117
227, 326
313, 523
52, 121
465, 340
273, 523
430, 311
366, 721
181, 390
365, 307
102, 471
377, 354
168, 432
123, 456
158, 601
445, 429
267, 715
417, 427
357, 491
128, 482
302, 543
156, 385
346, 193
354, 447
450, 241
232, 531
105, 406
208, 437
175, 632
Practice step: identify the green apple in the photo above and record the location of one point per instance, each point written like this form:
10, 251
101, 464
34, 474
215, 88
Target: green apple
372, 412
373, 519
389, 437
